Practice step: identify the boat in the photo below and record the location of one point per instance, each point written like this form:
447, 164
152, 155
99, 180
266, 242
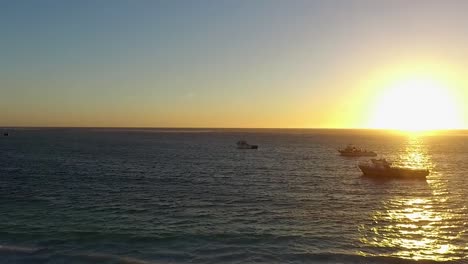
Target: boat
5, 134
242, 144
352, 151
383, 169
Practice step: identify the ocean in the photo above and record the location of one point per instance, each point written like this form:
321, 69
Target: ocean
190, 196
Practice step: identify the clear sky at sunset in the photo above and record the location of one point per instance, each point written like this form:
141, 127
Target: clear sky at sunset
234, 63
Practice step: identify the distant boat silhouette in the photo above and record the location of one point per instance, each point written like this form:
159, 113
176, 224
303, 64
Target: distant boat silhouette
242, 144
5, 134
352, 151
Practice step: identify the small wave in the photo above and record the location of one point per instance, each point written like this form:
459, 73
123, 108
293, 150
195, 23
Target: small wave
36, 254
10, 169
99, 257
15, 249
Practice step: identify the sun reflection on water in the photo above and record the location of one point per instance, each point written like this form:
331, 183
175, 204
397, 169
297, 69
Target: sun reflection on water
418, 226
415, 154
413, 230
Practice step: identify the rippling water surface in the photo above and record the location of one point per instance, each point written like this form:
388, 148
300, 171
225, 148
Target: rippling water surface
178, 196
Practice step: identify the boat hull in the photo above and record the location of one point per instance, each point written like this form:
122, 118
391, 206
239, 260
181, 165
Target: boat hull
248, 147
358, 154
399, 173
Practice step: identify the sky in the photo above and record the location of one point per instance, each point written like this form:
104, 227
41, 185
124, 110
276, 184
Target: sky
251, 63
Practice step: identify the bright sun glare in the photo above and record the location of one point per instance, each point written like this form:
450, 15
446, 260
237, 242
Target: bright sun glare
415, 105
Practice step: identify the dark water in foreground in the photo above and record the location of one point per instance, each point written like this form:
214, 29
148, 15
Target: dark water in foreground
175, 196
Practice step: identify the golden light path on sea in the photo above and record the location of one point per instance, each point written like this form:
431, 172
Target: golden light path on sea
418, 228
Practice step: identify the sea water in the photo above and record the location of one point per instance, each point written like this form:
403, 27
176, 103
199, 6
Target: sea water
190, 196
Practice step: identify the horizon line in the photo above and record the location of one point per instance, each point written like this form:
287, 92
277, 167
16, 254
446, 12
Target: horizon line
259, 128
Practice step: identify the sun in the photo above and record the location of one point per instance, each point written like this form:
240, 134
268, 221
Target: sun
415, 105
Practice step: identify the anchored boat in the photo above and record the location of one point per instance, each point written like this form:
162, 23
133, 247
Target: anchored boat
383, 169
352, 151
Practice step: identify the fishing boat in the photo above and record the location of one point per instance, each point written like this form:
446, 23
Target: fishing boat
352, 151
383, 169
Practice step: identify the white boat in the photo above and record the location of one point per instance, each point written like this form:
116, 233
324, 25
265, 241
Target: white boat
352, 151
